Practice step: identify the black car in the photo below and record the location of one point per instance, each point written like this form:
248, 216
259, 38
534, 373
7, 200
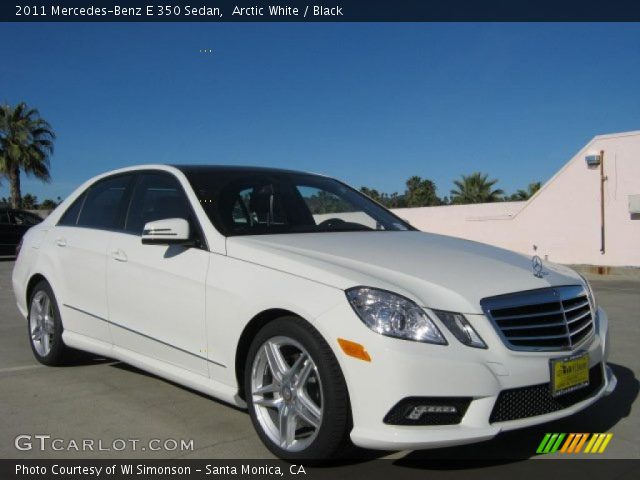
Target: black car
13, 225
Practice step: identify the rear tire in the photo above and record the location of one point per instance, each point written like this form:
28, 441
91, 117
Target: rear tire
296, 393
44, 327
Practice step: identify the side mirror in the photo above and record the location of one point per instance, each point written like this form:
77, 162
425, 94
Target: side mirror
169, 231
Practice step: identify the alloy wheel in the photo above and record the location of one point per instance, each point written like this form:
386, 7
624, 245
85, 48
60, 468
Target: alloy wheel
287, 393
41, 323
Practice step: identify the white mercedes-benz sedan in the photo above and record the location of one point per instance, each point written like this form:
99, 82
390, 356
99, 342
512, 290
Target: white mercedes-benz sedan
331, 319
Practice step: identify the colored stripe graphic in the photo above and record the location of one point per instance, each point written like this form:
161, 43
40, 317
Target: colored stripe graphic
598, 443
550, 443
568, 442
547, 448
606, 442
556, 445
574, 442
543, 443
592, 440
577, 445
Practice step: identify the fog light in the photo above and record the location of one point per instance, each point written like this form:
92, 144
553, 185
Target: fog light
418, 411
428, 411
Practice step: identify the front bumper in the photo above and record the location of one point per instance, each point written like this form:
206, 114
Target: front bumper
401, 369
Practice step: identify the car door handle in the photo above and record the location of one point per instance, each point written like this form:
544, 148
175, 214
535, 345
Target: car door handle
61, 242
119, 255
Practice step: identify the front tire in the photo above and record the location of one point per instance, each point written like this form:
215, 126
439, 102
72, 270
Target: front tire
296, 393
45, 327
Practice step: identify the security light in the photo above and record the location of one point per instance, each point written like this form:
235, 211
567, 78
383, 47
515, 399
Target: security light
592, 160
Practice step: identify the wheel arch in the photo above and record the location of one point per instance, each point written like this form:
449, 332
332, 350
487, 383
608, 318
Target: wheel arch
31, 284
248, 334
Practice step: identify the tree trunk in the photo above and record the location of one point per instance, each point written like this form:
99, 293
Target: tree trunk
14, 185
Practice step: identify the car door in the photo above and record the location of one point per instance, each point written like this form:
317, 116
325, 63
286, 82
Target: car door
21, 222
156, 293
80, 240
7, 246
15, 231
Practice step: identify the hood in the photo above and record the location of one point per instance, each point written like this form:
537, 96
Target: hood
436, 271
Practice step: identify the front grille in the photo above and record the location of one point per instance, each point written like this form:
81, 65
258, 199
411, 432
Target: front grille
547, 319
537, 400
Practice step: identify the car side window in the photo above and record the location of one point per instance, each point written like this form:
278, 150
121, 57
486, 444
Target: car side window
70, 217
103, 206
156, 196
4, 217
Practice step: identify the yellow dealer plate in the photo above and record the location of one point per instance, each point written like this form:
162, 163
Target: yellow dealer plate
569, 374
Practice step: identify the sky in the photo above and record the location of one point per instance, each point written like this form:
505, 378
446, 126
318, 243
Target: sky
372, 104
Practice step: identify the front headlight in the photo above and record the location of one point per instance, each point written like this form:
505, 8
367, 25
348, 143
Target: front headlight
393, 315
458, 324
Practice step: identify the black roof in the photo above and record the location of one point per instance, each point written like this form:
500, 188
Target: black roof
195, 169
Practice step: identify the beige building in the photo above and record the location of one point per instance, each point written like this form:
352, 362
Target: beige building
564, 221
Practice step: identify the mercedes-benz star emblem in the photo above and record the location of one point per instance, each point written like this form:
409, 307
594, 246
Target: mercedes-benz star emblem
536, 263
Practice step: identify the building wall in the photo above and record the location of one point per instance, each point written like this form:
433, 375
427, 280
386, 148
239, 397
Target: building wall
563, 218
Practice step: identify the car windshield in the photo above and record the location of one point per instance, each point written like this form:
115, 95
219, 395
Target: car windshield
249, 202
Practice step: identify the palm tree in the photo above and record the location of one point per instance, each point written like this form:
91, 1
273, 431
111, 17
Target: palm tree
372, 193
30, 202
421, 193
528, 193
475, 188
26, 143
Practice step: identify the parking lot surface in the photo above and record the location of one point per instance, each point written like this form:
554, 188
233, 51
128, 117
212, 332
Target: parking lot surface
114, 405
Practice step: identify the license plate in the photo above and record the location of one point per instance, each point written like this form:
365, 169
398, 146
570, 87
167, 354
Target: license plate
569, 374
